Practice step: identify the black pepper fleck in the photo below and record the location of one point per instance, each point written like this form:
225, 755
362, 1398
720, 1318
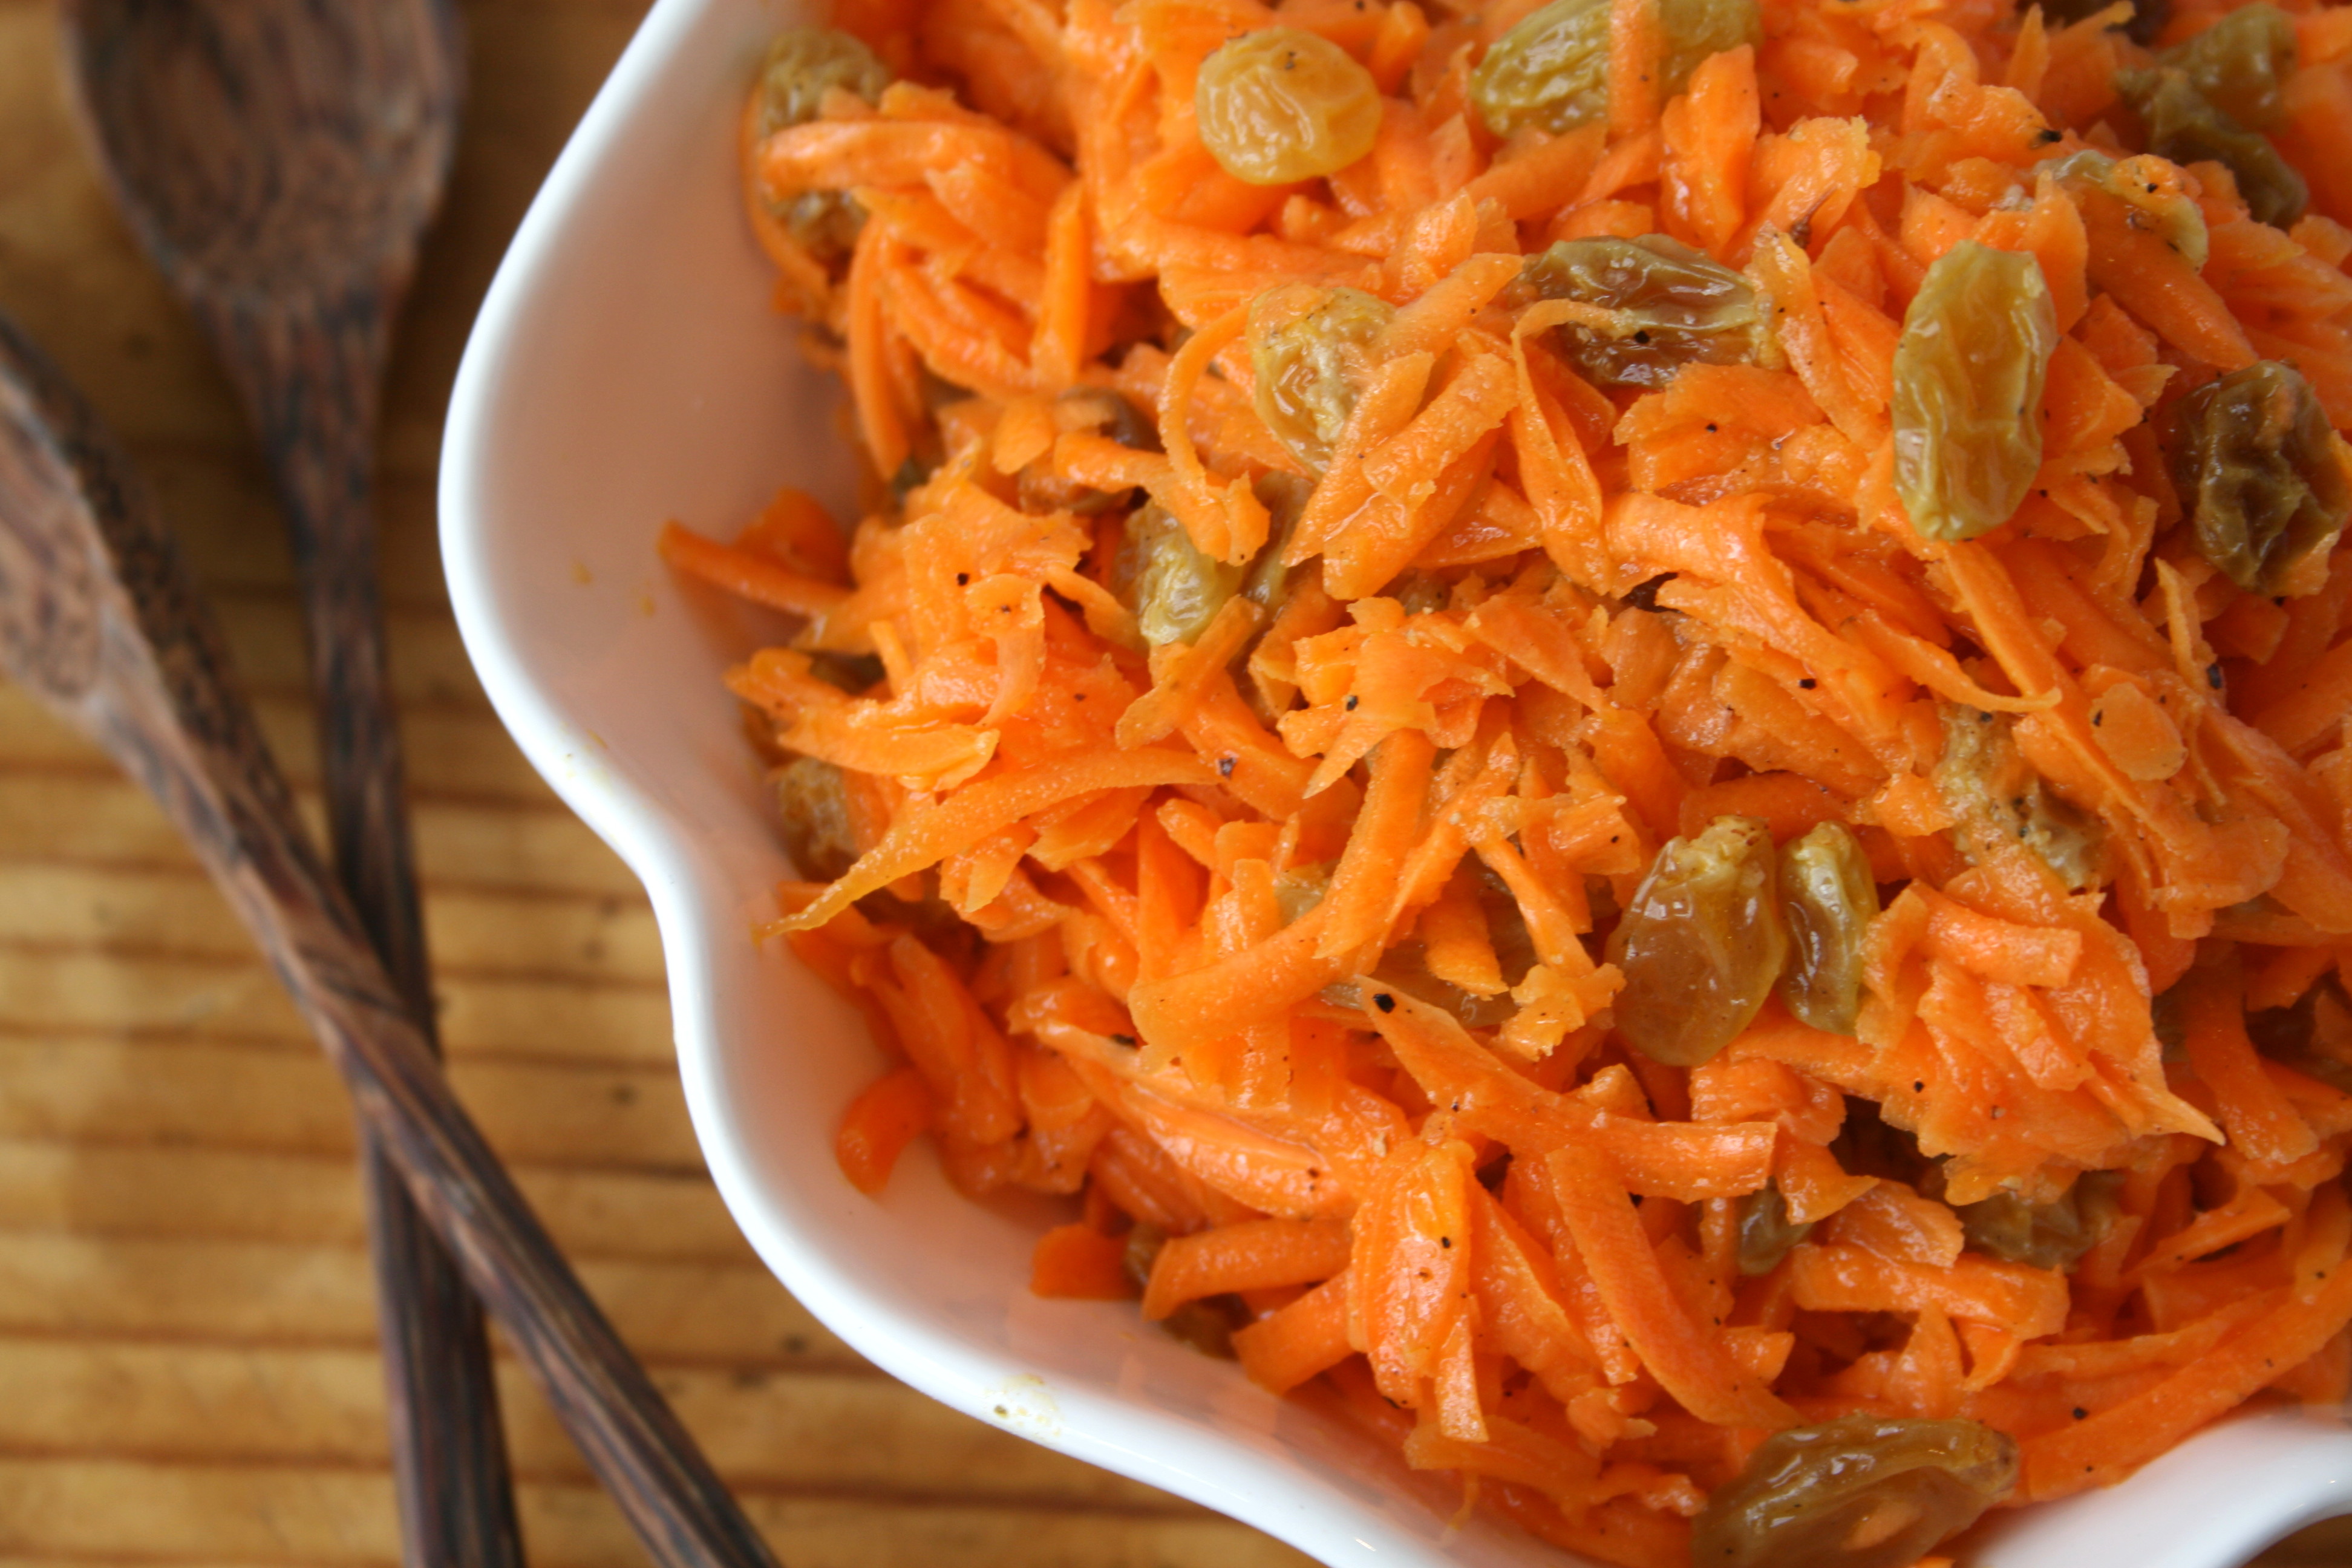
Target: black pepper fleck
1384, 1002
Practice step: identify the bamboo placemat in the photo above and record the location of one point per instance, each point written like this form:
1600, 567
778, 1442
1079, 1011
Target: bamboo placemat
187, 1371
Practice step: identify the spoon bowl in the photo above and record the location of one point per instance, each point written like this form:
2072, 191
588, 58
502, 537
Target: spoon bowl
330, 133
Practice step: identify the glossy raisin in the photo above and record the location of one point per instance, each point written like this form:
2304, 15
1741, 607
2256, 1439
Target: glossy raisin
2259, 473
1829, 898
1696, 30
813, 813
1861, 1492
2240, 63
1551, 71
801, 66
1700, 943
1279, 105
1162, 575
2052, 1235
804, 63
1968, 373
1998, 800
1671, 306
2185, 127
1105, 413
1271, 582
1310, 354
1405, 968
1094, 410
1766, 1236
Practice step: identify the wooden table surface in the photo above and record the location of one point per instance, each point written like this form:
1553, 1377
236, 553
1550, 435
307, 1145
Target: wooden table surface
187, 1371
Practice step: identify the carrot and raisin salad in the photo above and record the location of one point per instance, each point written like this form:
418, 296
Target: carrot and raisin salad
1621, 725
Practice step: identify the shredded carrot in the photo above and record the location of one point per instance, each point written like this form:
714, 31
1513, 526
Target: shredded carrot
1693, 1366
1077, 1262
1252, 1256
1235, 748
878, 1125
750, 576
1298, 1341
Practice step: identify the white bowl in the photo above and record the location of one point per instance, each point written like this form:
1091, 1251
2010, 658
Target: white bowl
626, 368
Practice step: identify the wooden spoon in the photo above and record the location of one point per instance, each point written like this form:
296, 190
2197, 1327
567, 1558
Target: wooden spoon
278, 161
99, 619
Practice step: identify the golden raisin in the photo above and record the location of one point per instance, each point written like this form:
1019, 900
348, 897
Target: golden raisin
806, 63
1968, 373
1861, 1492
803, 65
2260, 473
1278, 105
1829, 898
1766, 1236
1700, 943
1162, 575
2054, 1234
1998, 800
1551, 71
1670, 306
1310, 354
2185, 127
812, 812
1094, 410
2240, 63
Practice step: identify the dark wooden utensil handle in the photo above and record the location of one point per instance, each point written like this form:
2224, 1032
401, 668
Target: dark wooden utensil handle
99, 618
310, 368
